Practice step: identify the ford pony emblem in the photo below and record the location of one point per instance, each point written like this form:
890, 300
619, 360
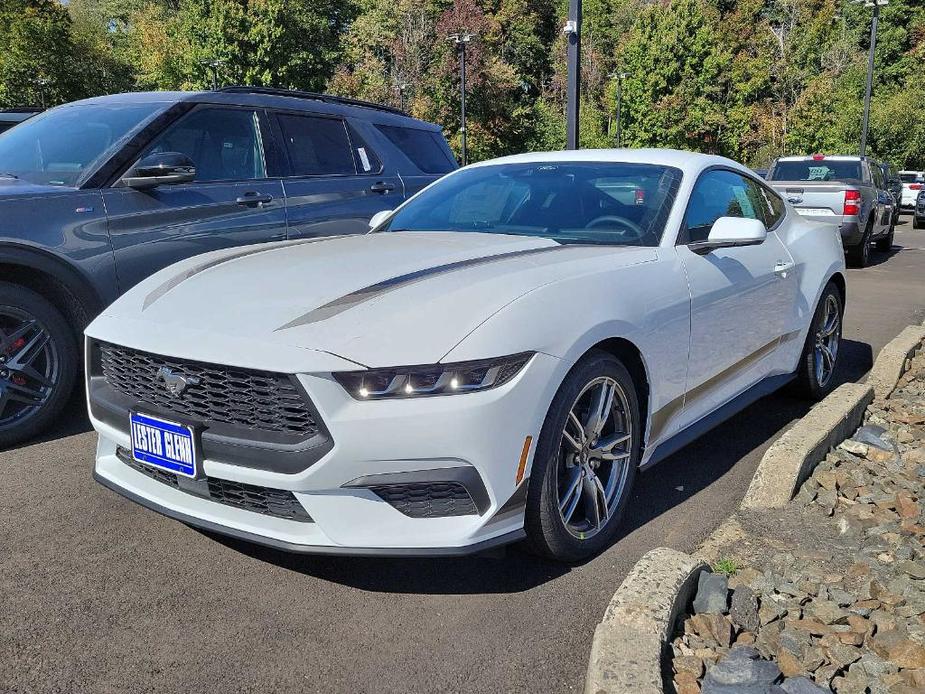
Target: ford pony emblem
176, 383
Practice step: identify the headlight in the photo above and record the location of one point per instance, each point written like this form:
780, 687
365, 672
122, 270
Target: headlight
434, 379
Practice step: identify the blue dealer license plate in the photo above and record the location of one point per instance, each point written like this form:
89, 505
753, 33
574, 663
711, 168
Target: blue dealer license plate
163, 444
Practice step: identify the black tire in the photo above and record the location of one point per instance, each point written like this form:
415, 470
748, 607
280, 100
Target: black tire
916, 224
547, 533
886, 243
27, 304
859, 255
807, 383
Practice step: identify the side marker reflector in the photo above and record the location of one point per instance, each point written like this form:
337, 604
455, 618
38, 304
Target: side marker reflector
523, 459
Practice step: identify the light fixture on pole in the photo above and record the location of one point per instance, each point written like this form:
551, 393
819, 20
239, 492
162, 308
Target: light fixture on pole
876, 4
41, 83
400, 90
620, 77
213, 65
461, 40
572, 31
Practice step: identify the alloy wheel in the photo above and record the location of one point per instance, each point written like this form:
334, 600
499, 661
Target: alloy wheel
827, 339
594, 457
29, 366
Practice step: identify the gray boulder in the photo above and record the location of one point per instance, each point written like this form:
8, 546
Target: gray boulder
712, 594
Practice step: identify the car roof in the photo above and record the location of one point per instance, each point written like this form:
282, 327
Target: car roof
688, 162
273, 98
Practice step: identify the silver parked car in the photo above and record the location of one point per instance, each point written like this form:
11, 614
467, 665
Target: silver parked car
848, 191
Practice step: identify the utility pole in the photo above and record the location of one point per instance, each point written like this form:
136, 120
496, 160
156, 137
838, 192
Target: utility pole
876, 4
41, 83
572, 30
619, 76
461, 40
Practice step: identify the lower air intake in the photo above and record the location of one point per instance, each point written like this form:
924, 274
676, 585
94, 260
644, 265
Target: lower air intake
428, 499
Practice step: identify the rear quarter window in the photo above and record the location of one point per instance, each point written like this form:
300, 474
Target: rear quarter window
425, 148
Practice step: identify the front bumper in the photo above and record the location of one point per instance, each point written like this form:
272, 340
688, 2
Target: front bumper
476, 437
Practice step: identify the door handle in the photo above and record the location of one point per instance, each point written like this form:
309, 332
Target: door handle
382, 187
253, 199
783, 267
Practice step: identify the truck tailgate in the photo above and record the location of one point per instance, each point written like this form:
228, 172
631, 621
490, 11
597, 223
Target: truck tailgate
821, 200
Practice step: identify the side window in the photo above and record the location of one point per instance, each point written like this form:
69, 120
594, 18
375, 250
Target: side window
877, 176
224, 143
775, 208
424, 148
316, 146
722, 194
365, 158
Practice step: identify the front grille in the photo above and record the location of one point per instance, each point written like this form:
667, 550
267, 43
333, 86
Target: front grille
278, 503
256, 400
427, 499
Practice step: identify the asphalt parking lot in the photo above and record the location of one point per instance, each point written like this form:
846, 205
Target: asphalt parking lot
100, 595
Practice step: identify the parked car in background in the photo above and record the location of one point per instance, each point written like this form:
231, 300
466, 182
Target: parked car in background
98, 194
894, 184
496, 360
14, 116
918, 212
913, 183
847, 191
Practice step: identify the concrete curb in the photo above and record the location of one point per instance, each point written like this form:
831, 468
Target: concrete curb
891, 363
791, 459
628, 645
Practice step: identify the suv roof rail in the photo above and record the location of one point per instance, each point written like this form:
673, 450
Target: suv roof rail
298, 94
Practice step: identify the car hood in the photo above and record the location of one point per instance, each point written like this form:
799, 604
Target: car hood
375, 300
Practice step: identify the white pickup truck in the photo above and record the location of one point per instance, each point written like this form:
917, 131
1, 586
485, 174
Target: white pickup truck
843, 190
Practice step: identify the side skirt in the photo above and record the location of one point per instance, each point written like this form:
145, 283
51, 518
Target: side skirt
717, 417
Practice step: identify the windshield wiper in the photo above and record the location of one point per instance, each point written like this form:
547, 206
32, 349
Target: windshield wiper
4, 174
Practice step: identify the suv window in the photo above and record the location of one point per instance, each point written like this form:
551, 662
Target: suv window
423, 147
775, 208
316, 146
722, 193
224, 143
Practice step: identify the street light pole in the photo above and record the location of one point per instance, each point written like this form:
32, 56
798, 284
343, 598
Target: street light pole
213, 65
619, 76
870, 68
572, 30
461, 40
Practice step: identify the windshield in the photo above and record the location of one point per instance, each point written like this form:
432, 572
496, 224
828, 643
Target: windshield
910, 177
59, 146
817, 170
574, 202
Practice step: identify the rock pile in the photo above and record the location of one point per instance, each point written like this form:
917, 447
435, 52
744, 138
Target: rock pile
793, 623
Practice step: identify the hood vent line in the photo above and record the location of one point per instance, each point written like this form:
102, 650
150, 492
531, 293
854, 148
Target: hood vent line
373, 291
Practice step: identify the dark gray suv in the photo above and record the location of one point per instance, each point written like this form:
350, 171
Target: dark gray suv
98, 194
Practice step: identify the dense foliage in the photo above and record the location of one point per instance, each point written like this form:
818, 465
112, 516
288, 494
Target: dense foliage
750, 79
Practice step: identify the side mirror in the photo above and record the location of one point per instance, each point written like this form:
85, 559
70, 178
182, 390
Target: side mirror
163, 168
379, 218
731, 232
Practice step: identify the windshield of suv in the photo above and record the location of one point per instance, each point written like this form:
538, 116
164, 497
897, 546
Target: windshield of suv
817, 170
571, 202
59, 146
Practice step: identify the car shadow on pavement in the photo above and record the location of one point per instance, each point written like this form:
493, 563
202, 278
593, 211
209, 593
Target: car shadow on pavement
512, 569
880, 257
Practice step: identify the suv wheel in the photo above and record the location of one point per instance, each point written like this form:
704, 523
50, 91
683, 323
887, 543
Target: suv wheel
38, 363
886, 243
585, 462
859, 256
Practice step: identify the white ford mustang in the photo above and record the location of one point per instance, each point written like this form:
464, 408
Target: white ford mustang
495, 360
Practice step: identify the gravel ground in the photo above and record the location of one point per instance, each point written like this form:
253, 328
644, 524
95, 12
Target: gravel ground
833, 599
